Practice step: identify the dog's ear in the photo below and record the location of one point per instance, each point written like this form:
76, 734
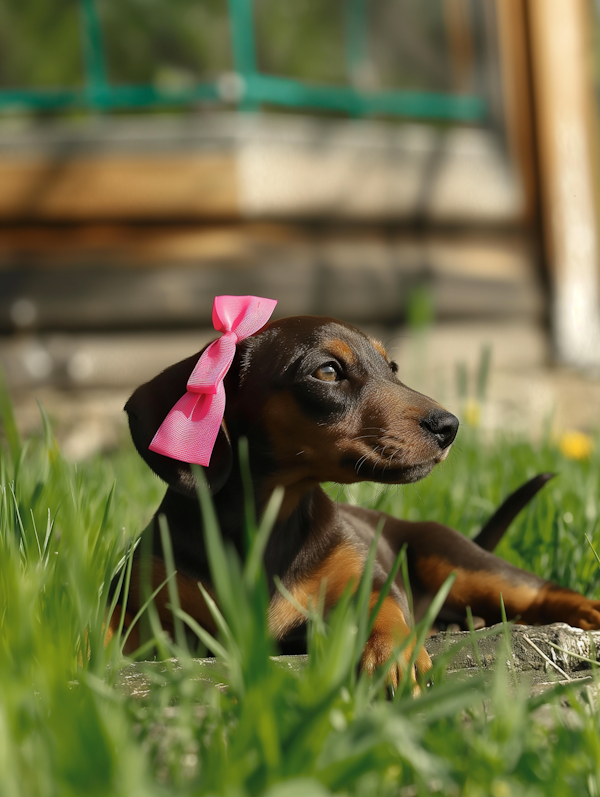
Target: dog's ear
148, 407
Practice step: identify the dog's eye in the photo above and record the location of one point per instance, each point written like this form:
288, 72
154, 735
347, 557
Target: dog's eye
394, 367
326, 373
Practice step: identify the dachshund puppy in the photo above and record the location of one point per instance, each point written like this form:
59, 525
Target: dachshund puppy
319, 401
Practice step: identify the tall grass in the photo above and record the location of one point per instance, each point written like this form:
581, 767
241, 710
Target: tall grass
66, 729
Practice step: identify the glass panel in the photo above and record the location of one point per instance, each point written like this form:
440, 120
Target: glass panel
40, 45
374, 44
408, 44
301, 38
165, 42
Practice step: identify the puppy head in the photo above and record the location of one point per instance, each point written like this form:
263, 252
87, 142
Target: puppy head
329, 402
319, 397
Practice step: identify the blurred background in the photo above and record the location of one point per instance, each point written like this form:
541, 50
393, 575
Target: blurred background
427, 171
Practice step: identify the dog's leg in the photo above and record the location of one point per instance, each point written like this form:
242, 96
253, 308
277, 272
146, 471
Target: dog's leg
342, 567
435, 551
390, 631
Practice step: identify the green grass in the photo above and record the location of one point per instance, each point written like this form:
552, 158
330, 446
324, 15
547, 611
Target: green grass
65, 729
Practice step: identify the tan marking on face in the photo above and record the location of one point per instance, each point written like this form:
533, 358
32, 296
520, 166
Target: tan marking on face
340, 350
306, 454
384, 432
377, 344
343, 566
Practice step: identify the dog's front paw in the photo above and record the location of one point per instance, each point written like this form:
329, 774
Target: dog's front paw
389, 631
380, 649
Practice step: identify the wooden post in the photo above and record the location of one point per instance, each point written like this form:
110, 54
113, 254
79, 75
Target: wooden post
511, 21
460, 42
566, 137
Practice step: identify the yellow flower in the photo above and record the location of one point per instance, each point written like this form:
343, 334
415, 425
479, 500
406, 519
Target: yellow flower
576, 445
472, 413
500, 788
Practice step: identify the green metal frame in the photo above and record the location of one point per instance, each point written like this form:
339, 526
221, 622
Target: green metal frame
251, 87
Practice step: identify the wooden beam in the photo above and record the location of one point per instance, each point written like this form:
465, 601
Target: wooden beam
566, 136
285, 169
119, 187
149, 277
511, 19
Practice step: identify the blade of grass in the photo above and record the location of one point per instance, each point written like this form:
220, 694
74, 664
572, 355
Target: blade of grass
124, 576
589, 542
104, 522
165, 538
555, 692
220, 622
150, 625
400, 561
553, 664
422, 629
508, 641
20, 525
35, 532
18, 462
49, 439
248, 490
148, 646
217, 557
121, 563
7, 417
363, 595
205, 637
303, 610
48, 537
148, 603
577, 656
471, 628
254, 562
445, 700
407, 587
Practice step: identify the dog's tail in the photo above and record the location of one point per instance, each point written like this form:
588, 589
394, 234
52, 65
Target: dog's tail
493, 531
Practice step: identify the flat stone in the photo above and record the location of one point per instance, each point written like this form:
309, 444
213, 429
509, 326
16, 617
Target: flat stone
136, 679
541, 656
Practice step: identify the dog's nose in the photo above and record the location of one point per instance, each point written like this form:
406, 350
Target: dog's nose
442, 425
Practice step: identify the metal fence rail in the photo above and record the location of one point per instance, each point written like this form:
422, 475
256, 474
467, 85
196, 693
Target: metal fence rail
246, 87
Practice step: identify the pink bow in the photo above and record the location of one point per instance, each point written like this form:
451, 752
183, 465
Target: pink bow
189, 431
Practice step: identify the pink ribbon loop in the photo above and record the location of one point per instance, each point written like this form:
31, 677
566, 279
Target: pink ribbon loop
190, 430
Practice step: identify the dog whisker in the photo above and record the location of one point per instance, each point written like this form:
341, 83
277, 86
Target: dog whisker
361, 462
376, 463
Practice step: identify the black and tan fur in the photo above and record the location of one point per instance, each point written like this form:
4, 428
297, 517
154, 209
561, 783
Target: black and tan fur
319, 401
